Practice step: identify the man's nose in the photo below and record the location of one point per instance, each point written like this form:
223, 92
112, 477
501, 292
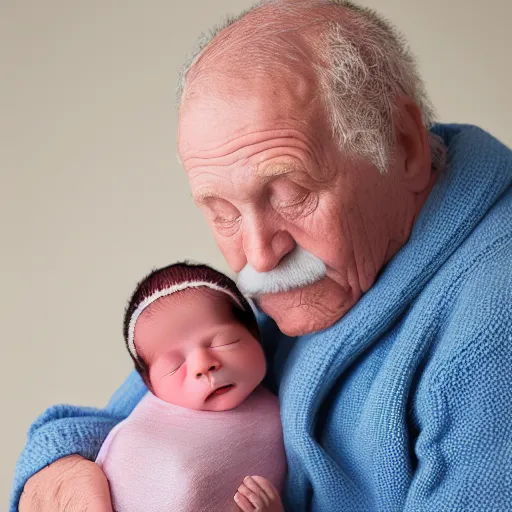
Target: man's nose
264, 248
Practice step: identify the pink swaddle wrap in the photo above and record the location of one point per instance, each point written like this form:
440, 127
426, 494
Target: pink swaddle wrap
165, 458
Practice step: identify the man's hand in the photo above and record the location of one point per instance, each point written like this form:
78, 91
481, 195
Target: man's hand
71, 484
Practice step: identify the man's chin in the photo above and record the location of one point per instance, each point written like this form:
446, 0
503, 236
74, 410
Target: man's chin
309, 309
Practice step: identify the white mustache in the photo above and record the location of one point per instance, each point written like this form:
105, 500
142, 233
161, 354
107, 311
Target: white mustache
297, 269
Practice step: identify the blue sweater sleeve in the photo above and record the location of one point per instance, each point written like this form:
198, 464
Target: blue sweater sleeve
64, 430
464, 448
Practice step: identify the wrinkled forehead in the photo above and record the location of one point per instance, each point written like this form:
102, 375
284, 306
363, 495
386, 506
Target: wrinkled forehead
261, 69
240, 86
224, 109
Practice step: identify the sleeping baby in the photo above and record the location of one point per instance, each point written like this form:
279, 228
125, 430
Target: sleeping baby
207, 436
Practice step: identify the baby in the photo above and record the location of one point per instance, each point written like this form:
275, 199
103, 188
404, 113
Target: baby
207, 422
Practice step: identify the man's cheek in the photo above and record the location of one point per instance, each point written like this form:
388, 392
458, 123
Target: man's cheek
320, 225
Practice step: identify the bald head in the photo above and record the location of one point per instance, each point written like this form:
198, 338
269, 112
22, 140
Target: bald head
271, 38
350, 57
266, 43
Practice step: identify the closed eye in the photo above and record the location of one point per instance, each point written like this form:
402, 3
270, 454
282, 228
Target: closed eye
291, 200
224, 344
174, 371
226, 226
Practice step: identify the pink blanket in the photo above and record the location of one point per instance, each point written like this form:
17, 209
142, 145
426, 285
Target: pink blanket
167, 458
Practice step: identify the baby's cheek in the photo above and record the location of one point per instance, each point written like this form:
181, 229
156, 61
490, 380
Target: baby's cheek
180, 376
254, 360
169, 388
256, 350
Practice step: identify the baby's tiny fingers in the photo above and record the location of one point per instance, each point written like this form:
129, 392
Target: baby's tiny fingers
267, 486
243, 503
253, 486
254, 498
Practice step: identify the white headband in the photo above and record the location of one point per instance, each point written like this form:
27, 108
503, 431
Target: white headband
163, 293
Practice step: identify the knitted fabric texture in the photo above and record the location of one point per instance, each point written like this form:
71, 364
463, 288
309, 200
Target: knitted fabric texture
164, 458
405, 404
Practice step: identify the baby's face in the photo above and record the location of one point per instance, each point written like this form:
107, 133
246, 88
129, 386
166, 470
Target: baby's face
199, 355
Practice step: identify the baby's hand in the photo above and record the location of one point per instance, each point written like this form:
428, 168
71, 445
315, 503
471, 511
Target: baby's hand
257, 493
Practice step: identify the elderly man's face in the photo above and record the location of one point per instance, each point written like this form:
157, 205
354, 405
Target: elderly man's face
268, 175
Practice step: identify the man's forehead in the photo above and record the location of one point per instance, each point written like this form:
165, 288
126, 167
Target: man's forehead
207, 120
271, 55
219, 115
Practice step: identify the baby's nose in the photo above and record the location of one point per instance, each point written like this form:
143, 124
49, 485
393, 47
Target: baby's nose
212, 368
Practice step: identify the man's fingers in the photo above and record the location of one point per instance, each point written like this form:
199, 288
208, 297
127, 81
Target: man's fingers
29, 501
71, 483
254, 487
99, 506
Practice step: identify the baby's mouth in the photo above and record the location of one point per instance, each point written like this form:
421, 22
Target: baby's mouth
220, 391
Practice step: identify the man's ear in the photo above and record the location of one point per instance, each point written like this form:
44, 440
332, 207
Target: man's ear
412, 145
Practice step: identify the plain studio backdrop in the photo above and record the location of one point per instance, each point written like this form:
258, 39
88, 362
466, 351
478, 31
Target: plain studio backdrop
92, 196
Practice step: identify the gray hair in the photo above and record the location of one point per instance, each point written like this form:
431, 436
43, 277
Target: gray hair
368, 66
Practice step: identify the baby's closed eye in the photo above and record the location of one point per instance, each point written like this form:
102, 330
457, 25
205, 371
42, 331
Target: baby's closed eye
223, 343
172, 372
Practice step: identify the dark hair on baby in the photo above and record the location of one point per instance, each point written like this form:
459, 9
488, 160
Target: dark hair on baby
176, 274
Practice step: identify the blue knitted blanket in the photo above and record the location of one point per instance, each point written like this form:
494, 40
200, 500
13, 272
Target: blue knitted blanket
406, 403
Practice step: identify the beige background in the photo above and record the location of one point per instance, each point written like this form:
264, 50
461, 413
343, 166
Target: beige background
91, 195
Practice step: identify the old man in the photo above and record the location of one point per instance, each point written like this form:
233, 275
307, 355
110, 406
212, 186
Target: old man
307, 137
